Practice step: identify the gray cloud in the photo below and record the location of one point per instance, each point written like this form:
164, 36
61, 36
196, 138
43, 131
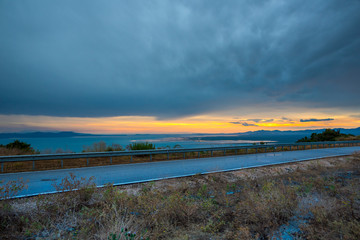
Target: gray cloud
257, 120
245, 124
316, 120
177, 58
248, 124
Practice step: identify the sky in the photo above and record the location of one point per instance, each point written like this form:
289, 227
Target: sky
179, 66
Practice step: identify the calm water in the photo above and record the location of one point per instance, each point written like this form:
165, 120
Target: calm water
76, 144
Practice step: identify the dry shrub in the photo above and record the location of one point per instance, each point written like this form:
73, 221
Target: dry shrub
265, 206
334, 221
10, 222
76, 192
14, 151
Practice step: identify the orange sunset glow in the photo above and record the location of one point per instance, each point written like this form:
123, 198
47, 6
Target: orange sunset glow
198, 124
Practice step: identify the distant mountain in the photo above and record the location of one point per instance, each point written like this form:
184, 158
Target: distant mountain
43, 135
275, 135
265, 135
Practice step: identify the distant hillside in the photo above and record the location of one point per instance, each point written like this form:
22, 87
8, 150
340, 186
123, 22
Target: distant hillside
43, 135
275, 135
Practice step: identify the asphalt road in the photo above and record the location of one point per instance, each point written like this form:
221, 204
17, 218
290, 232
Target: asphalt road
41, 181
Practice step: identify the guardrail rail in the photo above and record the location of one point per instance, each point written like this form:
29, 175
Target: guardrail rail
274, 147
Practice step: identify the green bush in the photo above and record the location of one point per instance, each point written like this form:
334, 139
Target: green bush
19, 145
140, 146
327, 135
16, 148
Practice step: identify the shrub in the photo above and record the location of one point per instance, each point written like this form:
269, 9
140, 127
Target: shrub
77, 192
16, 148
19, 145
11, 188
102, 147
140, 146
8, 190
114, 147
327, 135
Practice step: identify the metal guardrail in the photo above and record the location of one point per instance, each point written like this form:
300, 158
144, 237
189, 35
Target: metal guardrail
274, 146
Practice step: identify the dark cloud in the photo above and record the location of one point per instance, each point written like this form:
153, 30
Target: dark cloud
177, 58
254, 120
9, 127
245, 124
248, 124
259, 120
316, 120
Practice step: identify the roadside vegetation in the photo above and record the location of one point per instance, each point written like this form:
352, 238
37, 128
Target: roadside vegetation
102, 147
140, 146
16, 148
329, 135
308, 200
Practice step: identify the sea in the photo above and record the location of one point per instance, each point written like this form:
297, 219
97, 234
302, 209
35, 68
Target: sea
79, 143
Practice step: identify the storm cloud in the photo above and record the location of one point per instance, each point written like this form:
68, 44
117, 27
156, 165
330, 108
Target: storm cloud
177, 58
316, 120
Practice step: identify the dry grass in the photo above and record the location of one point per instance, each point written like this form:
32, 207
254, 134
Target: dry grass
13, 151
322, 199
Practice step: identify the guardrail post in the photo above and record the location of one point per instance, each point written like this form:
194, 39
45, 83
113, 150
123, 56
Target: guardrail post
168, 157
211, 152
297, 147
131, 160
235, 151
62, 163
265, 149
282, 148
224, 152
256, 150
246, 150
87, 162
33, 165
110, 160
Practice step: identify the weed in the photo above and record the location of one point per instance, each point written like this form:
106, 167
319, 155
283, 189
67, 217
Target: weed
11, 188
76, 191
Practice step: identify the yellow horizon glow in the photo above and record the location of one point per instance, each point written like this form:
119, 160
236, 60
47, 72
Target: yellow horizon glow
151, 125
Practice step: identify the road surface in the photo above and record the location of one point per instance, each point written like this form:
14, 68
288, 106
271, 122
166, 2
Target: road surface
41, 181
